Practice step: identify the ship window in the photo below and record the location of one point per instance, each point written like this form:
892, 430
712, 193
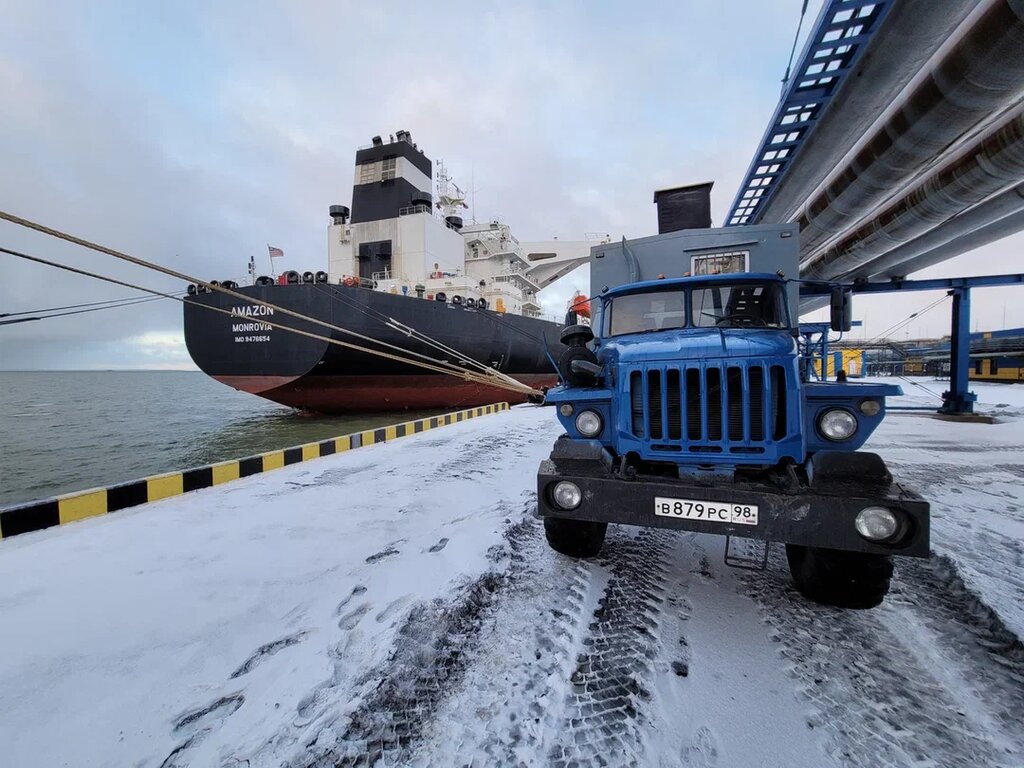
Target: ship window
643, 312
387, 171
369, 173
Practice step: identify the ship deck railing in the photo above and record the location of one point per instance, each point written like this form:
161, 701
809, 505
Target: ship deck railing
413, 209
513, 276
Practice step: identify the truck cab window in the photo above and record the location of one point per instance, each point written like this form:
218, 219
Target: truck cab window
742, 305
644, 312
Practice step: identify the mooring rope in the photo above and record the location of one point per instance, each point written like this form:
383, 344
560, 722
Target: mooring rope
124, 300
491, 376
395, 325
468, 375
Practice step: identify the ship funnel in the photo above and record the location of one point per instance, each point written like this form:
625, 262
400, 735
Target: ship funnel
686, 207
339, 214
377, 141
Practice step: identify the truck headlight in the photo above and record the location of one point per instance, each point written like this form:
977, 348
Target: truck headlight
589, 423
837, 424
877, 523
567, 495
565, 409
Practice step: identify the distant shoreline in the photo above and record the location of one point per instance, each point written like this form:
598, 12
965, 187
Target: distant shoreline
100, 370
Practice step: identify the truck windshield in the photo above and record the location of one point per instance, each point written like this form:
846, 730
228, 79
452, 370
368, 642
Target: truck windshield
741, 305
655, 311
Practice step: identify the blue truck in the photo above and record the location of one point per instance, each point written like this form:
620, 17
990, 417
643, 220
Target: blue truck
686, 404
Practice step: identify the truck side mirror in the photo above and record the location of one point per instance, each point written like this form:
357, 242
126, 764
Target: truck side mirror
842, 309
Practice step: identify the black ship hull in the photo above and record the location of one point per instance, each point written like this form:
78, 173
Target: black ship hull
243, 352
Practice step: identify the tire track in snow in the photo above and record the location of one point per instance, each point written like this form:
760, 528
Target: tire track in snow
565, 670
971, 650
329, 723
889, 696
512, 696
612, 682
975, 511
428, 661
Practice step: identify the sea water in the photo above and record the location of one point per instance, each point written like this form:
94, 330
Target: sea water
63, 431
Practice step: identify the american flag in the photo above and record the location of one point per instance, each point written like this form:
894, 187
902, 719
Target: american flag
275, 252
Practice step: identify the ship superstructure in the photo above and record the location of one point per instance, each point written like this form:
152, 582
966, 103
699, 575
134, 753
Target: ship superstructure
403, 237
405, 271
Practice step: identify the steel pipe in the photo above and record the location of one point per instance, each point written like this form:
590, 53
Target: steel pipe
913, 31
990, 166
978, 77
981, 216
997, 230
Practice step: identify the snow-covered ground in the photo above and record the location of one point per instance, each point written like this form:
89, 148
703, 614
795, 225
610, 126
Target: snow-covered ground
397, 605
973, 476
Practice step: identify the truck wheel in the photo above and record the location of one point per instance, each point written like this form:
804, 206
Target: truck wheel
575, 538
843, 579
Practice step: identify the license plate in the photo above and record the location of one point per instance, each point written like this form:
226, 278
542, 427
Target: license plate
708, 511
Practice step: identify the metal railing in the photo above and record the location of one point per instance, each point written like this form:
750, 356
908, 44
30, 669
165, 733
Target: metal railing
412, 209
356, 281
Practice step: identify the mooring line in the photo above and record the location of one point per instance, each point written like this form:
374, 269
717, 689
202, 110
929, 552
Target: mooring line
452, 371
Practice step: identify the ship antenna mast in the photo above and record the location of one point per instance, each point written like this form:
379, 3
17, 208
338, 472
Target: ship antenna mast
450, 199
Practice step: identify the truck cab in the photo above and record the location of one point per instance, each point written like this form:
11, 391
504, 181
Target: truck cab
686, 404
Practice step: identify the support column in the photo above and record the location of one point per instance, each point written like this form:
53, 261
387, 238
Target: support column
958, 399
824, 355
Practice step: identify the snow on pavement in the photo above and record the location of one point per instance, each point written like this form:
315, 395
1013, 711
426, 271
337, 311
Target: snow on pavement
398, 605
973, 476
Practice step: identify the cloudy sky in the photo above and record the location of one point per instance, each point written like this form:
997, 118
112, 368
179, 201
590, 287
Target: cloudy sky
194, 133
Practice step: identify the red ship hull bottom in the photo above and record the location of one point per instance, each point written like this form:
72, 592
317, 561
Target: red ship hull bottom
350, 394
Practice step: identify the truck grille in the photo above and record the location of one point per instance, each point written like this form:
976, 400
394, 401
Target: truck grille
709, 408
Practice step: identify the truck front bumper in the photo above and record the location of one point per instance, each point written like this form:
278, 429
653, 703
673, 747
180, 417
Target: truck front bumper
820, 514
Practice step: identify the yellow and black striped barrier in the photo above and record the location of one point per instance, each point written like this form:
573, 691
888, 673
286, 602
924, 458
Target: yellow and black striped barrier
61, 510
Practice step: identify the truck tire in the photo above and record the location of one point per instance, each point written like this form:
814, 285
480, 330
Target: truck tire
842, 579
575, 538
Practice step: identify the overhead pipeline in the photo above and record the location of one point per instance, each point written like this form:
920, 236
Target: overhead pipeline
902, 260
979, 77
992, 165
913, 31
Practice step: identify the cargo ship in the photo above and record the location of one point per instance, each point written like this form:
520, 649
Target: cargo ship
405, 272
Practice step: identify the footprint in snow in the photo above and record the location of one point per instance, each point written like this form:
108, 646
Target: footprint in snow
221, 708
266, 651
703, 749
179, 753
350, 619
200, 722
439, 546
394, 607
382, 554
357, 590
